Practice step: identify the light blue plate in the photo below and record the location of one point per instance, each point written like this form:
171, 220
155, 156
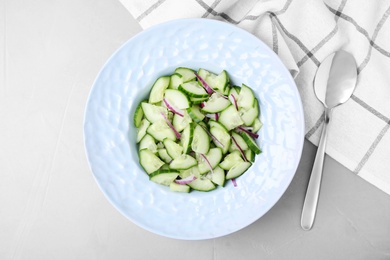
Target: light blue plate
126, 79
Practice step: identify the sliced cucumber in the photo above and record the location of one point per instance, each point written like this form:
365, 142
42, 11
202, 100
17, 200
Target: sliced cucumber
195, 114
251, 143
153, 112
177, 99
216, 104
237, 170
257, 124
230, 160
246, 98
218, 176
149, 161
202, 184
249, 115
174, 150
186, 137
164, 177
183, 162
176, 80
160, 131
138, 115
200, 141
217, 82
188, 74
197, 101
250, 155
230, 118
158, 89
148, 142
213, 158
182, 130
163, 154
193, 89
179, 187
181, 122
240, 141
222, 138
141, 130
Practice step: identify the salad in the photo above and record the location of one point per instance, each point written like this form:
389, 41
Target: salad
196, 130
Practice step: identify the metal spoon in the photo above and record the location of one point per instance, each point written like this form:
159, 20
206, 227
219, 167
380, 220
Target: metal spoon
334, 84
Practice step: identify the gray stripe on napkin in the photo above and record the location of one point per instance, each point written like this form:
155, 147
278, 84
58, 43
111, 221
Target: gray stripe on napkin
361, 30
372, 148
316, 126
375, 34
296, 40
211, 8
149, 10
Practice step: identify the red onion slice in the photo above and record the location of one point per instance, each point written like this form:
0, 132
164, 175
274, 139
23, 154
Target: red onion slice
234, 182
239, 148
240, 128
173, 109
204, 84
178, 136
186, 180
234, 101
207, 161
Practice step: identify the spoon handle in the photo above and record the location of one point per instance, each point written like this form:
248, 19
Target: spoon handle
313, 189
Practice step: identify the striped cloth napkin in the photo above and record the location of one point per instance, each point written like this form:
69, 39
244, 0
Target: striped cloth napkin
303, 33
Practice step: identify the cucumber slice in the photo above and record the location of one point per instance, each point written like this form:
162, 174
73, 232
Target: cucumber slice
148, 142
176, 80
197, 101
195, 114
186, 137
217, 82
164, 177
177, 98
223, 137
193, 89
141, 130
213, 123
250, 142
160, 131
216, 103
138, 115
201, 140
163, 154
246, 98
202, 184
218, 176
214, 157
230, 118
153, 112
181, 122
174, 150
188, 74
237, 170
158, 88
257, 124
250, 155
231, 159
240, 141
179, 187
149, 161
183, 162
248, 115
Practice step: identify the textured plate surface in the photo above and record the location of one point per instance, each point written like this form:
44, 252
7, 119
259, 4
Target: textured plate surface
126, 79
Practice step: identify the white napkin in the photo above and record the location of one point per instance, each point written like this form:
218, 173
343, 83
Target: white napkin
303, 33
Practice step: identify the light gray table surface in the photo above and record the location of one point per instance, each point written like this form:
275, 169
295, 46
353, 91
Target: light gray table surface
50, 204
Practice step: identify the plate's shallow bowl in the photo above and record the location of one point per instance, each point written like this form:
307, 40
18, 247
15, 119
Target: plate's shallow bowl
110, 135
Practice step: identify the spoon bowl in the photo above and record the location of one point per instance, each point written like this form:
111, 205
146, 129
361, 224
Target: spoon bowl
334, 84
